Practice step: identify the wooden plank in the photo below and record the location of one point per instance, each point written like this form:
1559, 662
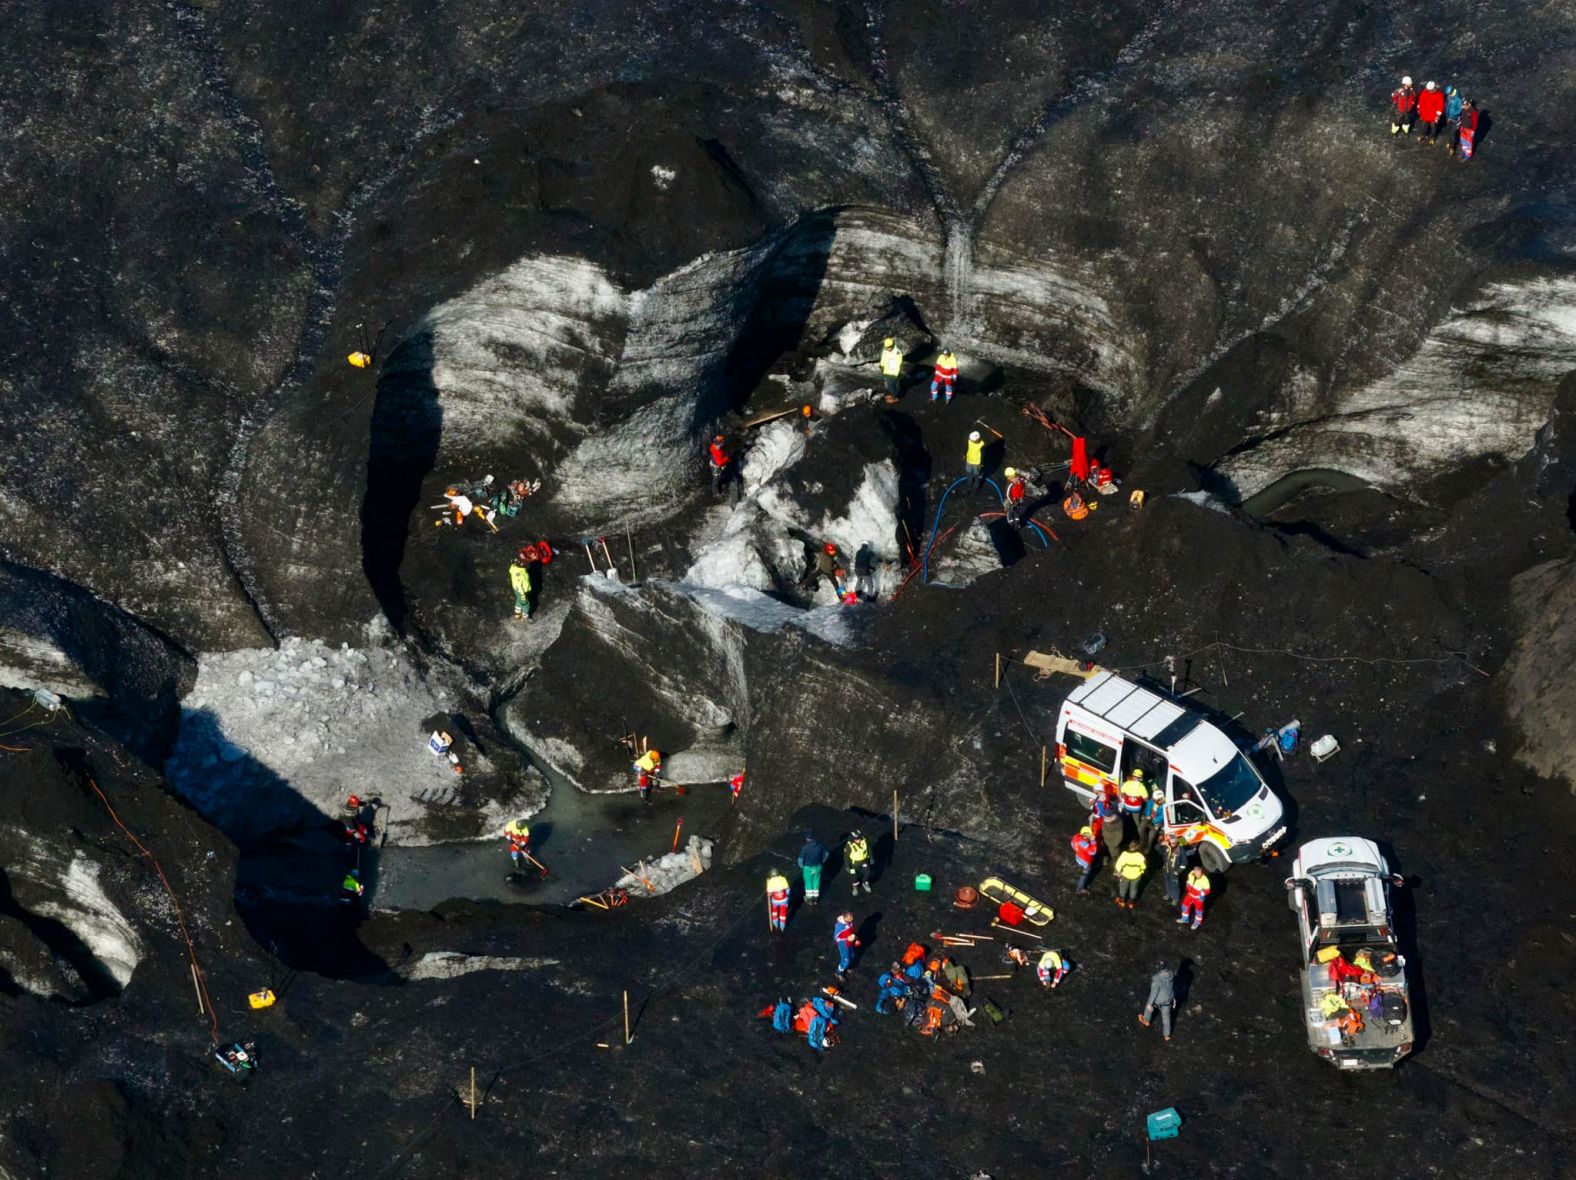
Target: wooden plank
1053, 663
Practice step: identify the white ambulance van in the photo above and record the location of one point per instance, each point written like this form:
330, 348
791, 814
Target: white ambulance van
1215, 798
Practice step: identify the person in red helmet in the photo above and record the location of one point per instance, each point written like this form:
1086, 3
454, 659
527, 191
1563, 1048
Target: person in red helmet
1404, 101
826, 566
1431, 111
721, 465
355, 825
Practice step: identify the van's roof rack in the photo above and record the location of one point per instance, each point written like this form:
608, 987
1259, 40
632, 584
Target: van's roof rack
1143, 713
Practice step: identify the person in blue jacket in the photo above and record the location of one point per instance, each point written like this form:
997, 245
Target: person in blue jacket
825, 1017
893, 985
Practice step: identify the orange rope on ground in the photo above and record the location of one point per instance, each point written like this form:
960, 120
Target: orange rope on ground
15, 749
202, 982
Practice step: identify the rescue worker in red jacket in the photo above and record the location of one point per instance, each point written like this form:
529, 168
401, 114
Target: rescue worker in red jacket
1086, 850
945, 376
1404, 100
1431, 111
1016, 498
1197, 889
720, 461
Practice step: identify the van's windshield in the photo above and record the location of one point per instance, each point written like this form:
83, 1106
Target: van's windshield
1230, 787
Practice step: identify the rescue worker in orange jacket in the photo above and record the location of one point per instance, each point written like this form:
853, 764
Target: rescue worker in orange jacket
1086, 849
945, 376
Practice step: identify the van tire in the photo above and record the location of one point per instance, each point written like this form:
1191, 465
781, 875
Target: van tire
1212, 858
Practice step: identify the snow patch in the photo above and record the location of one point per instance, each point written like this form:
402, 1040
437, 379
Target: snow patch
1481, 384
88, 912
663, 177
759, 612
449, 964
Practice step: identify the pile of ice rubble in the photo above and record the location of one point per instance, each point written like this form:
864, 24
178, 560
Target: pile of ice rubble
652, 877
274, 740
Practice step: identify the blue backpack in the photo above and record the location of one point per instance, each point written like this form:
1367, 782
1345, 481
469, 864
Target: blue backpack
782, 1016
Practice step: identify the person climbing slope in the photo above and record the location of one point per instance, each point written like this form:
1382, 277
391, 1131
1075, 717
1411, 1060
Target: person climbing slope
945, 376
720, 462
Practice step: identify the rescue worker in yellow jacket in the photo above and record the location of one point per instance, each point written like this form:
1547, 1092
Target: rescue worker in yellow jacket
520, 583
777, 901
647, 768
857, 854
974, 460
1130, 868
892, 368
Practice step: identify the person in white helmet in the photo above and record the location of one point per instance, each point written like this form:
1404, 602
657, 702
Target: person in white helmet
974, 460
1404, 101
1431, 112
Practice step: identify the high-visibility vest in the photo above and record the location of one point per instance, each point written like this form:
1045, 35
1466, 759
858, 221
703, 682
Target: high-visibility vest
1199, 885
946, 366
891, 362
976, 451
858, 851
1133, 794
1050, 961
649, 761
777, 883
1131, 865
520, 579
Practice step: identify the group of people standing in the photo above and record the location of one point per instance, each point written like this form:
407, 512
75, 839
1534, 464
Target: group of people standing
1127, 825
1434, 109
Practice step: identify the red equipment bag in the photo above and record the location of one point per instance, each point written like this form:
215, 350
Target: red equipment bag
1011, 914
1080, 464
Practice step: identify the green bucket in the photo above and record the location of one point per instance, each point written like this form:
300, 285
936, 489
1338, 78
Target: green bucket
922, 883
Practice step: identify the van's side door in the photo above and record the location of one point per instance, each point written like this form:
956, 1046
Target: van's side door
1183, 806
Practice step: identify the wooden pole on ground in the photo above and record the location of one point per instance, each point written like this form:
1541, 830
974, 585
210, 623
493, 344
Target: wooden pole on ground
627, 1037
473, 1093
981, 978
1014, 930
677, 828
1044, 753
630, 538
197, 987
894, 817
998, 669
